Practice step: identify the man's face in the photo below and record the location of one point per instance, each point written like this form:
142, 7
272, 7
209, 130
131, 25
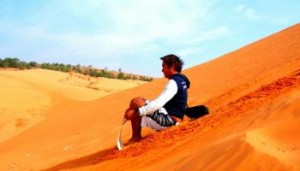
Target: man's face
168, 71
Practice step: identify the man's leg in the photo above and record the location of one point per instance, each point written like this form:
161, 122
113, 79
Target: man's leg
136, 128
131, 114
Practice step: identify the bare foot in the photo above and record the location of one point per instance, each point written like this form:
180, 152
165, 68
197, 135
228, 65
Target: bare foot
133, 140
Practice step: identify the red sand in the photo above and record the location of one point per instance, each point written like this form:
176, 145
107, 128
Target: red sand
253, 95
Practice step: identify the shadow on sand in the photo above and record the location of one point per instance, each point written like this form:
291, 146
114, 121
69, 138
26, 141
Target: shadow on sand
91, 159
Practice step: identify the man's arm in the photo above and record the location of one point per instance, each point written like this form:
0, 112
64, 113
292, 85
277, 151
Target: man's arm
168, 93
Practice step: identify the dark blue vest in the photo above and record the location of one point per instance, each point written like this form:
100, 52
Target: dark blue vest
177, 105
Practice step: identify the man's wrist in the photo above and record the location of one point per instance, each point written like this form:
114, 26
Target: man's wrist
141, 111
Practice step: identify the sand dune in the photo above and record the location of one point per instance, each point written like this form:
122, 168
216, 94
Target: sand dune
253, 95
28, 97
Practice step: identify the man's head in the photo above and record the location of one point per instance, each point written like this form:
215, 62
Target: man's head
171, 64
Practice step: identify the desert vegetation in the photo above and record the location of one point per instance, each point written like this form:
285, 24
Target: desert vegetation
12, 62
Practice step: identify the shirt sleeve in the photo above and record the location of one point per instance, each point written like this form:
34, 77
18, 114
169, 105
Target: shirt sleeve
167, 94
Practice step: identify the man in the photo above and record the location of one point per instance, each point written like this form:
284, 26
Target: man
168, 108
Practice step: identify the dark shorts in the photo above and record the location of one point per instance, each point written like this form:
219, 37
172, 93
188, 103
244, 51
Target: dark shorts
162, 119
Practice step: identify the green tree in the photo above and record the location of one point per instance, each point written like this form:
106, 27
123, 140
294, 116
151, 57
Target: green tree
23, 65
121, 75
33, 64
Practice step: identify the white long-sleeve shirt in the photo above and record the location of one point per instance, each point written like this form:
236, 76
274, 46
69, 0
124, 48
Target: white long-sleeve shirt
167, 94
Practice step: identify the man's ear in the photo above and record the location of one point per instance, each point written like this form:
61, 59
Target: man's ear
172, 67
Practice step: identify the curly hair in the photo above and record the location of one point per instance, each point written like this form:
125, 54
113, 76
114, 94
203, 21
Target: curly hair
173, 60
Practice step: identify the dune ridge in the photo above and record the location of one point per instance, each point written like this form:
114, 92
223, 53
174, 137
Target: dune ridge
253, 96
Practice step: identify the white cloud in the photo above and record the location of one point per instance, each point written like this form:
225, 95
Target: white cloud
136, 25
203, 36
152, 19
240, 8
246, 11
190, 51
250, 13
162, 19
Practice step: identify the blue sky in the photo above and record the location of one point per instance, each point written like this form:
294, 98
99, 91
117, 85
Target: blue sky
134, 34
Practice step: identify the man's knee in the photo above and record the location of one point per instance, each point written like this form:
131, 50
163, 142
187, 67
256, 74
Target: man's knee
137, 102
130, 114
